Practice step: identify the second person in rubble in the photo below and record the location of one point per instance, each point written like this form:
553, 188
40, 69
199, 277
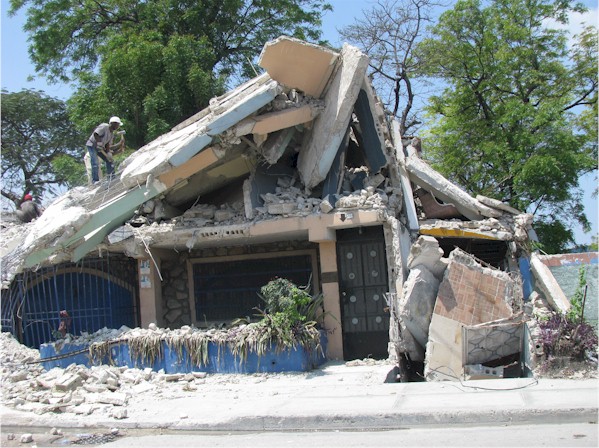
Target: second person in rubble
29, 210
100, 145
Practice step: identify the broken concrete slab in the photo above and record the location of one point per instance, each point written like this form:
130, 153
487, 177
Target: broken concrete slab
275, 146
177, 147
297, 64
548, 286
493, 340
425, 177
318, 152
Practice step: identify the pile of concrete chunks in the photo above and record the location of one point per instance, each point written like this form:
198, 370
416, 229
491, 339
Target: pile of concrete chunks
467, 320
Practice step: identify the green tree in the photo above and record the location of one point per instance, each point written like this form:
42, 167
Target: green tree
155, 63
36, 132
518, 119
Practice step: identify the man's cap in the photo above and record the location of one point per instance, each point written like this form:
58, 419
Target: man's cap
27, 197
116, 120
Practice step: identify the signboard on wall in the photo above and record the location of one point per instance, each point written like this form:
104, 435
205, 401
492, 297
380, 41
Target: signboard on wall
144, 274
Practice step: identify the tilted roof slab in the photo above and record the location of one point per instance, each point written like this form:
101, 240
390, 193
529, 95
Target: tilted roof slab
317, 154
297, 64
426, 177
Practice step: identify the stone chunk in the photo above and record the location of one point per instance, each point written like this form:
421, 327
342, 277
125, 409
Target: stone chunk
20, 375
418, 300
68, 381
115, 398
325, 205
426, 251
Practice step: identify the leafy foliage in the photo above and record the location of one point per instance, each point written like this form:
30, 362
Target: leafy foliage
37, 136
157, 62
576, 312
563, 337
518, 119
283, 296
569, 335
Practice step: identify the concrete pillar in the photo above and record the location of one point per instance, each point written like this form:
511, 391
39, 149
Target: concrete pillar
330, 290
150, 292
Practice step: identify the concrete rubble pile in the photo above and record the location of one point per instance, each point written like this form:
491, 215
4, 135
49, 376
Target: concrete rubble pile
101, 390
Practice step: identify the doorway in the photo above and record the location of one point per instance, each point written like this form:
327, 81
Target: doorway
362, 263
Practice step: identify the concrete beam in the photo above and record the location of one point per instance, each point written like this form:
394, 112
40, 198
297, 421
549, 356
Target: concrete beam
329, 128
181, 173
297, 64
408, 194
546, 283
445, 232
275, 121
424, 176
497, 204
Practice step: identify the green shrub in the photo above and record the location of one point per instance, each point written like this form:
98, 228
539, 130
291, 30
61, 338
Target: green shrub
576, 311
283, 296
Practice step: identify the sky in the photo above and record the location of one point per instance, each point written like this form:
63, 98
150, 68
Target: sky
16, 69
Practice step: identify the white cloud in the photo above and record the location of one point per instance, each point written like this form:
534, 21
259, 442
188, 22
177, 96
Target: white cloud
576, 23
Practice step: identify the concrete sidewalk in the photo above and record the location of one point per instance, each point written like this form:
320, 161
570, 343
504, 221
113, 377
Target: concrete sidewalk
339, 396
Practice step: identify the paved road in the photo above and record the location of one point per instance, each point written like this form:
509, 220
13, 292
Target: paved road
541, 435
567, 435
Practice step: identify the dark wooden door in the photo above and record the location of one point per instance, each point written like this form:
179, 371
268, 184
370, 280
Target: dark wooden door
362, 265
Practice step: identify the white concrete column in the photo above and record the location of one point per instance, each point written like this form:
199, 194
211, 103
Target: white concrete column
330, 290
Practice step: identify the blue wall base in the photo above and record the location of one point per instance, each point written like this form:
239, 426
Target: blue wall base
219, 361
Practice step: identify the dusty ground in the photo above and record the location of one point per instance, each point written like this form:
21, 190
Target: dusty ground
567, 369
24, 387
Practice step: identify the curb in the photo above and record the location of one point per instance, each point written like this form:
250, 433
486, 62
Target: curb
366, 422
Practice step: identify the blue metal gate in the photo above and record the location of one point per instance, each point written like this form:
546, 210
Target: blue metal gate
95, 293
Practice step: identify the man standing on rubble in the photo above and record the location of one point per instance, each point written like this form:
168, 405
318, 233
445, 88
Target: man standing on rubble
29, 210
100, 144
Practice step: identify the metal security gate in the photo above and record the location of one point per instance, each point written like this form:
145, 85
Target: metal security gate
362, 265
95, 293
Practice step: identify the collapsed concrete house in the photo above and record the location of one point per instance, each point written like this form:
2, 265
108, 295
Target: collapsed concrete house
297, 173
